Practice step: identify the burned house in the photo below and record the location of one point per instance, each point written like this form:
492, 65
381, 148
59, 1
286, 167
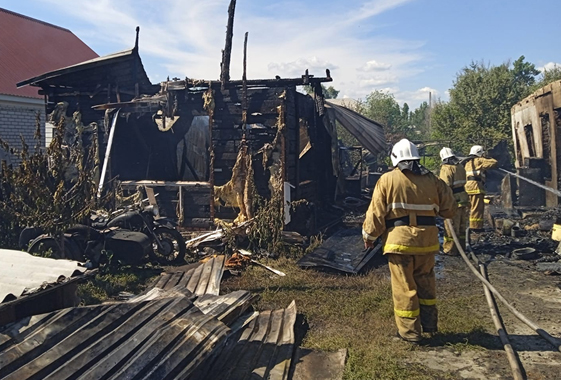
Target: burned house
208, 148
536, 131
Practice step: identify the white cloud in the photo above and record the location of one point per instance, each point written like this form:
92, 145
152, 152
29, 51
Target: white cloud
549, 66
379, 80
417, 96
298, 67
185, 37
374, 66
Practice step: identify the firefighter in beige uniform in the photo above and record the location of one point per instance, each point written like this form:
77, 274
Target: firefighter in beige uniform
454, 175
476, 165
403, 211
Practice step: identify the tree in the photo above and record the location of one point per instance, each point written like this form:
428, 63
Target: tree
383, 108
548, 76
328, 92
480, 102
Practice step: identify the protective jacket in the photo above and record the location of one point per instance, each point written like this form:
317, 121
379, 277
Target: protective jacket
475, 172
455, 177
403, 210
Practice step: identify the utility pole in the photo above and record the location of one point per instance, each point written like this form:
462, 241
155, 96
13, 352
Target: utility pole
430, 110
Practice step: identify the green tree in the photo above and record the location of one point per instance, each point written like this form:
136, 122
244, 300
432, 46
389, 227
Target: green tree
420, 120
480, 102
548, 76
383, 108
328, 92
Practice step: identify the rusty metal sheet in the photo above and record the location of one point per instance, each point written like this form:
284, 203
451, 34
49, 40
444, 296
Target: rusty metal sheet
163, 338
20, 271
344, 252
312, 364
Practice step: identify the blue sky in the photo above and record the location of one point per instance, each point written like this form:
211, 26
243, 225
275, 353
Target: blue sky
406, 47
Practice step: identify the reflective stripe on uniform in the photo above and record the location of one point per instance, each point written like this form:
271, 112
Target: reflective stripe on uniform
427, 301
448, 239
473, 192
410, 249
407, 313
414, 207
366, 236
473, 173
476, 220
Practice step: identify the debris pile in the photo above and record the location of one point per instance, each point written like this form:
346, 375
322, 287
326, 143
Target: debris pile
180, 329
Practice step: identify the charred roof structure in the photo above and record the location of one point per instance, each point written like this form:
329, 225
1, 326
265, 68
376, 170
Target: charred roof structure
205, 144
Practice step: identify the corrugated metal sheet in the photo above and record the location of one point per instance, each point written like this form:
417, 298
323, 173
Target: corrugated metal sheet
261, 350
344, 251
204, 279
368, 132
166, 338
20, 271
30, 47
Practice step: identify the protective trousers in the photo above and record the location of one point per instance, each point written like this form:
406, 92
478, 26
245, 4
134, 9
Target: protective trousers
414, 294
477, 211
459, 221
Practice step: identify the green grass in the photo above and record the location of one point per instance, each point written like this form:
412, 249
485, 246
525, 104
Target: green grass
356, 312
109, 283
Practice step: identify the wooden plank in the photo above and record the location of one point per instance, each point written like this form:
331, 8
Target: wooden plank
173, 184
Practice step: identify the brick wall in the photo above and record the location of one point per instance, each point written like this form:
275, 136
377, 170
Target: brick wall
19, 119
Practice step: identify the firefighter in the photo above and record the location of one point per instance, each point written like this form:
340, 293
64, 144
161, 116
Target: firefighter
475, 166
403, 212
454, 175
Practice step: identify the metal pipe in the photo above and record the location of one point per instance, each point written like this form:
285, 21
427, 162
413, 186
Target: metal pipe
107, 153
544, 334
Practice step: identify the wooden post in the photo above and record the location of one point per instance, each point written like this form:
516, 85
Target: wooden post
227, 52
244, 88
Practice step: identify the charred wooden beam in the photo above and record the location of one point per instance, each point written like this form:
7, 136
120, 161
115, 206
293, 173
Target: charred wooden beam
227, 52
279, 82
144, 105
244, 87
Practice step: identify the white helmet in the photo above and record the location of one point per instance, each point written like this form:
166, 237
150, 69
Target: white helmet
404, 150
446, 153
476, 150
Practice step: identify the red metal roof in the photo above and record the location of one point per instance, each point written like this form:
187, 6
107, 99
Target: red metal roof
29, 47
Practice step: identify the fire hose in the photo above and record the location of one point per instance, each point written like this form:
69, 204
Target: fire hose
551, 190
544, 334
514, 362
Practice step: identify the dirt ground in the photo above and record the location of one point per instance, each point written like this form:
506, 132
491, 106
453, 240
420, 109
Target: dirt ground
355, 312
534, 294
